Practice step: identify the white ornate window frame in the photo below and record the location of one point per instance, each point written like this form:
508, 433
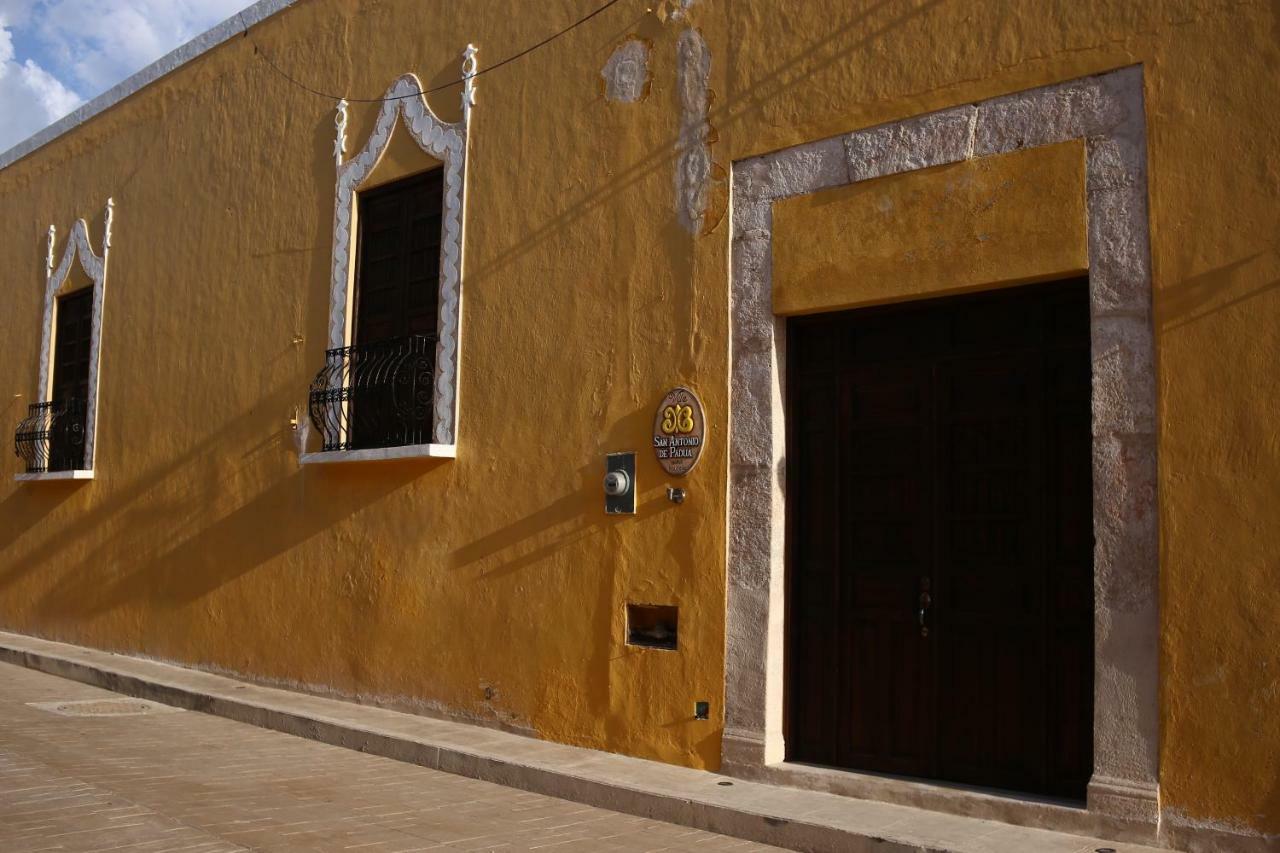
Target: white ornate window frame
446, 142
79, 249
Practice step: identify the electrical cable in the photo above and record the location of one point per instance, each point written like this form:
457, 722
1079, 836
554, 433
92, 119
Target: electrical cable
528, 50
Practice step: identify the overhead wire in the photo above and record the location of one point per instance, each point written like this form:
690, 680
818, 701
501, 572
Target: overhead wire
485, 70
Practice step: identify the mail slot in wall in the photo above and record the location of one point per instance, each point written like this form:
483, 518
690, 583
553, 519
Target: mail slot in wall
653, 626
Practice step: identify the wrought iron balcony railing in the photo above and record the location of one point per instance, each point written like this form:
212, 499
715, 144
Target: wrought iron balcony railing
376, 395
51, 436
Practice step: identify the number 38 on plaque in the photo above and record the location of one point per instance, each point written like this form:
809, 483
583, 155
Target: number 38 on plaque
679, 428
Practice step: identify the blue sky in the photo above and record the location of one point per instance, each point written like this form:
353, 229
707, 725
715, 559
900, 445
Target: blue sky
57, 54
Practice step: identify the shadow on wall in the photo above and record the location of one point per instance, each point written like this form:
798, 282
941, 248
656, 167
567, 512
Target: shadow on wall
158, 521
114, 504
23, 511
550, 540
841, 40
141, 514
558, 525
838, 41
1200, 296
567, 520
273, 522
549, 528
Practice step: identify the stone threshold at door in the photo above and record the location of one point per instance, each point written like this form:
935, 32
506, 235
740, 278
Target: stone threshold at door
956, 799
756, 811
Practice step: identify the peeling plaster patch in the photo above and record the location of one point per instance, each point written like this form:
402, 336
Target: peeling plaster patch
674, 10
626, 74
693, 149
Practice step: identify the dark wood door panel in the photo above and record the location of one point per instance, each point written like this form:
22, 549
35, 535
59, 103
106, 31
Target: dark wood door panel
398, 259
398, 264
72, 358
991, 703
889, 703
72, 337
942, 449
886, 549
818, 621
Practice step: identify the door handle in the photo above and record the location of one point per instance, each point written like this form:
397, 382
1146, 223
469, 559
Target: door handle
925, 601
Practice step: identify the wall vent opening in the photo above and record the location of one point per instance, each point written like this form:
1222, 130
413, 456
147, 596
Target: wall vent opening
653, 626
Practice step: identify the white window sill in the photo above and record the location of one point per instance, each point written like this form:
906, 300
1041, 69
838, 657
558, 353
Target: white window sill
54, 475
378, 454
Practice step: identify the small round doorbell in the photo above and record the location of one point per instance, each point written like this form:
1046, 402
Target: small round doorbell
616, 483
620, 483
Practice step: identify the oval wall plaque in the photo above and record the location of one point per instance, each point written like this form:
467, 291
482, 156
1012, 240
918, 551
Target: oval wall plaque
679, 431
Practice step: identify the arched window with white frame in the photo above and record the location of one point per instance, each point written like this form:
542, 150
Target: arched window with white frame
389, 385
57, 439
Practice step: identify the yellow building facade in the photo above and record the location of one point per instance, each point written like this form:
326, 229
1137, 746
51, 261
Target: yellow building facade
651, 200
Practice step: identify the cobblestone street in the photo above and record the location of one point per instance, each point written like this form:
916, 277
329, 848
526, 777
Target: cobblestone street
171, 780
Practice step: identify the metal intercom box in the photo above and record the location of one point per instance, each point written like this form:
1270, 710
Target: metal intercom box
620, 483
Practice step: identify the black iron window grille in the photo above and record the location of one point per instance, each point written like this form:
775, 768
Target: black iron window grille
376, 395
51, 436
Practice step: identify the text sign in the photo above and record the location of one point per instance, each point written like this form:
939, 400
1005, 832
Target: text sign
679, 430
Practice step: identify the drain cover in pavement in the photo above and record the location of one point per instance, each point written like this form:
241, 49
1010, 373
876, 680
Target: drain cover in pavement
104, 708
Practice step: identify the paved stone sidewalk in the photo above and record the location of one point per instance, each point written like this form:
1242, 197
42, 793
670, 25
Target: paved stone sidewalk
184, 781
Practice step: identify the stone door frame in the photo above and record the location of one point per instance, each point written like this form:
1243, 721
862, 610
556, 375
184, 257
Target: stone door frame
1107, 112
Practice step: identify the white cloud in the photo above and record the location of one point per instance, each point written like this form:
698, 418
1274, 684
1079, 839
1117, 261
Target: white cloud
56, 98
14, 13
101, 42
69, 47
30, 97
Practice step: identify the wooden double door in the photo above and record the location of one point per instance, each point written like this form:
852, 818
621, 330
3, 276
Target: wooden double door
940, 566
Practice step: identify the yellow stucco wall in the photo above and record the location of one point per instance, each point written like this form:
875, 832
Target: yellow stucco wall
203, 541
1007, 219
